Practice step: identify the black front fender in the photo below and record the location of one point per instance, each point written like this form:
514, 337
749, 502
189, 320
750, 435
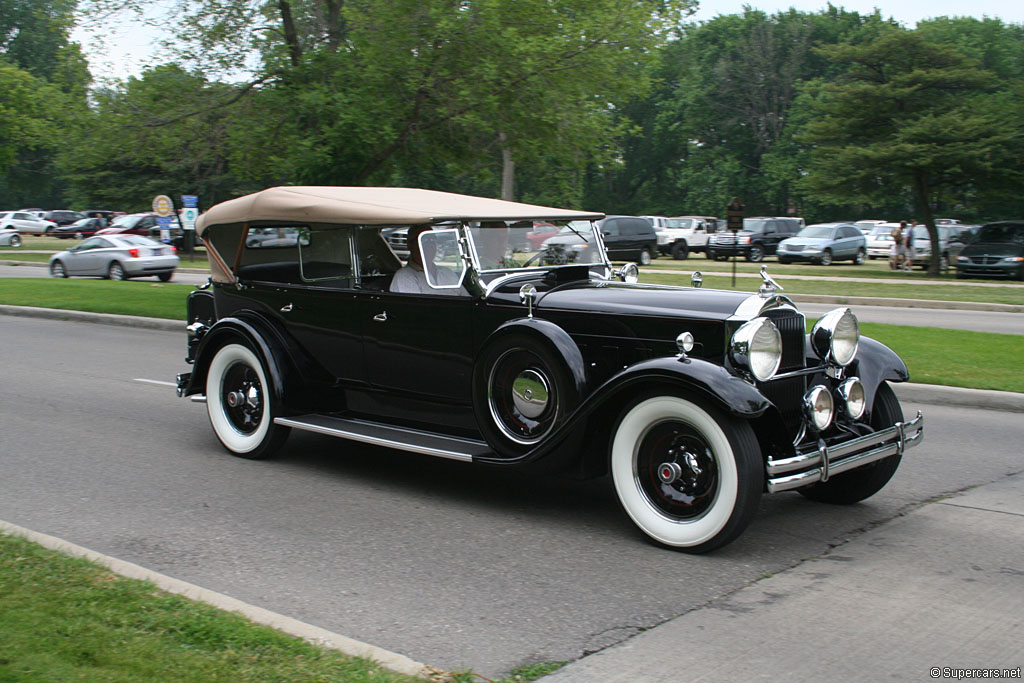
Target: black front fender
876, 363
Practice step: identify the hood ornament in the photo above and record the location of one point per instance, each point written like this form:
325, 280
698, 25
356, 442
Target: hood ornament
769, 287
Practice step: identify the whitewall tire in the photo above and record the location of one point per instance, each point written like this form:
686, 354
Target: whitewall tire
689, 477
239, 403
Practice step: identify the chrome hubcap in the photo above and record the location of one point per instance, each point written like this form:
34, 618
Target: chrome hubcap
530, 393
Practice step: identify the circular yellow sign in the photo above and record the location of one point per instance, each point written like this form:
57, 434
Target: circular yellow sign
163, 206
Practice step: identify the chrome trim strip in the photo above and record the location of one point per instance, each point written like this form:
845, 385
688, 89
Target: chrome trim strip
382, 441
828, 461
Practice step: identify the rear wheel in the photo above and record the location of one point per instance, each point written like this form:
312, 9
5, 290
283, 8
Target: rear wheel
15, 240
858, 260
116, 272
863, 482
645, 257
755, 253
689, 477
166, 277
240, 405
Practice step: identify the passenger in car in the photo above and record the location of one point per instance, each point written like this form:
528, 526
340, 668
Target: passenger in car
411, 278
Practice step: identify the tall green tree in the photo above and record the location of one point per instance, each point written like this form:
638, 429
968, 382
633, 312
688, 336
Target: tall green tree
909, 114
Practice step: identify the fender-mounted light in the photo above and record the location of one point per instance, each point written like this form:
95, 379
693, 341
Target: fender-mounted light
851, 394
757, 348
818, 407
836, 336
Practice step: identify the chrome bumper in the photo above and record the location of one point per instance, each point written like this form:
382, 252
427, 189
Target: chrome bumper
812, 466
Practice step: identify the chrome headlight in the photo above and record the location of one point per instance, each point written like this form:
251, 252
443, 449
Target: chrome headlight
851, 393
757, 347
836, 336
818, 407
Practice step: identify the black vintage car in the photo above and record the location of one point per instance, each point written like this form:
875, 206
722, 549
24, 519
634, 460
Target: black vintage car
695, 401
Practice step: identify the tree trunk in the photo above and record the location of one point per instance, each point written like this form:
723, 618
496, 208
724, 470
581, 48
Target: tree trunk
291, 36
508, 170
921, 190
335, 24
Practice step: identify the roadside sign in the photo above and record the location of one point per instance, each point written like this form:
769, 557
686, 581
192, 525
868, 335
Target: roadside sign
164, 222
162, 205
188, 217
734, 214
190, 201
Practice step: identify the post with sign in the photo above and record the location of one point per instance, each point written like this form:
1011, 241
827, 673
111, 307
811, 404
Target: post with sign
734, 222
189, 214
163, 207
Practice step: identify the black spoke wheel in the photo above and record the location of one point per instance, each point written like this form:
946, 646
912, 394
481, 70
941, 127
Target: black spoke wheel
687, 474
240, 405
863, 482
680, 251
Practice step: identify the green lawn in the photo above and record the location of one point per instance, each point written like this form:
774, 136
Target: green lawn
151, 299
69, 619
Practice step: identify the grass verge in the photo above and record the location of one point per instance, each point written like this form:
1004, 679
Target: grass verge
151, 299
68, 619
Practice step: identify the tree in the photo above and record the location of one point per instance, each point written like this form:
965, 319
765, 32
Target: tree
908, 114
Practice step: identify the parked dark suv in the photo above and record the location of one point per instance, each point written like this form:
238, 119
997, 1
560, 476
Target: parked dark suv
995, 251
759, 237
695, 402
629, 238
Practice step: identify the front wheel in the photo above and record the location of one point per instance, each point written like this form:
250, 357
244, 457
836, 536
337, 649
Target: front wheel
863, 482
58, 270
826, 258
711, 254
645, 257
166, 277
689, 477
240, 405
680, 251
755, 253
15, 240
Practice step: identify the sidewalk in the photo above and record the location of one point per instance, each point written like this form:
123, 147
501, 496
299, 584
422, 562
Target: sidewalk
941, 587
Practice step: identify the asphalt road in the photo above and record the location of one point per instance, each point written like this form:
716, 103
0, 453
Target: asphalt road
988, 321
453, 565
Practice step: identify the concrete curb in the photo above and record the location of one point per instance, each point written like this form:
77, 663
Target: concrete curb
917, 393
102, 318
313, 634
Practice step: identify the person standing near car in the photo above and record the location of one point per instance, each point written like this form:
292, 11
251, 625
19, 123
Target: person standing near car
908, 246
897, 251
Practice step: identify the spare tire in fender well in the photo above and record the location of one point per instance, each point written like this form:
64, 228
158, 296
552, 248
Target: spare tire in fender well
528, 350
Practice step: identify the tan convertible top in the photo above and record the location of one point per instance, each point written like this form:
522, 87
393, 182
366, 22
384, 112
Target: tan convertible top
373, 206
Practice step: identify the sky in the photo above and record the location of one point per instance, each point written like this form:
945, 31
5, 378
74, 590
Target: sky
126, 46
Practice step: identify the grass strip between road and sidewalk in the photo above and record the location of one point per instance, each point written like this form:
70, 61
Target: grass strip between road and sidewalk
975, 360
70, 619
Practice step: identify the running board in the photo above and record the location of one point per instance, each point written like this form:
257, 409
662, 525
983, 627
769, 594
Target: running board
402, 438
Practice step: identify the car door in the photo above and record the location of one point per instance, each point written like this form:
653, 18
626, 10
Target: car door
851, 239
85, 259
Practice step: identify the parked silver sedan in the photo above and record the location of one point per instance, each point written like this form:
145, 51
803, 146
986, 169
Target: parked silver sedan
117, 257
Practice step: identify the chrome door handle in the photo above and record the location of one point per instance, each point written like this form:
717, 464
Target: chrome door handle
287, 308
381, 317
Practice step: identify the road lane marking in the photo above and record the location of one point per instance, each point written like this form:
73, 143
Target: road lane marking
156, 381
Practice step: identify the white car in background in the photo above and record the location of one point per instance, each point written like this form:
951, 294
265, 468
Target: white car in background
23, 221
880, 242
868, 226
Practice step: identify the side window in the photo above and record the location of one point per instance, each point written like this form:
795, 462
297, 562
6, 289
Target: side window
637, 226
610, 228
770, 228
374, 255
93, 243
325, 254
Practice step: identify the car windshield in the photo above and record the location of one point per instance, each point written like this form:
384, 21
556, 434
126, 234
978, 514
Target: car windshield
681, 223
127, 221
921, 232
754, 224
501, 246
1001, 233
817, 232
139, 241
881, 231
